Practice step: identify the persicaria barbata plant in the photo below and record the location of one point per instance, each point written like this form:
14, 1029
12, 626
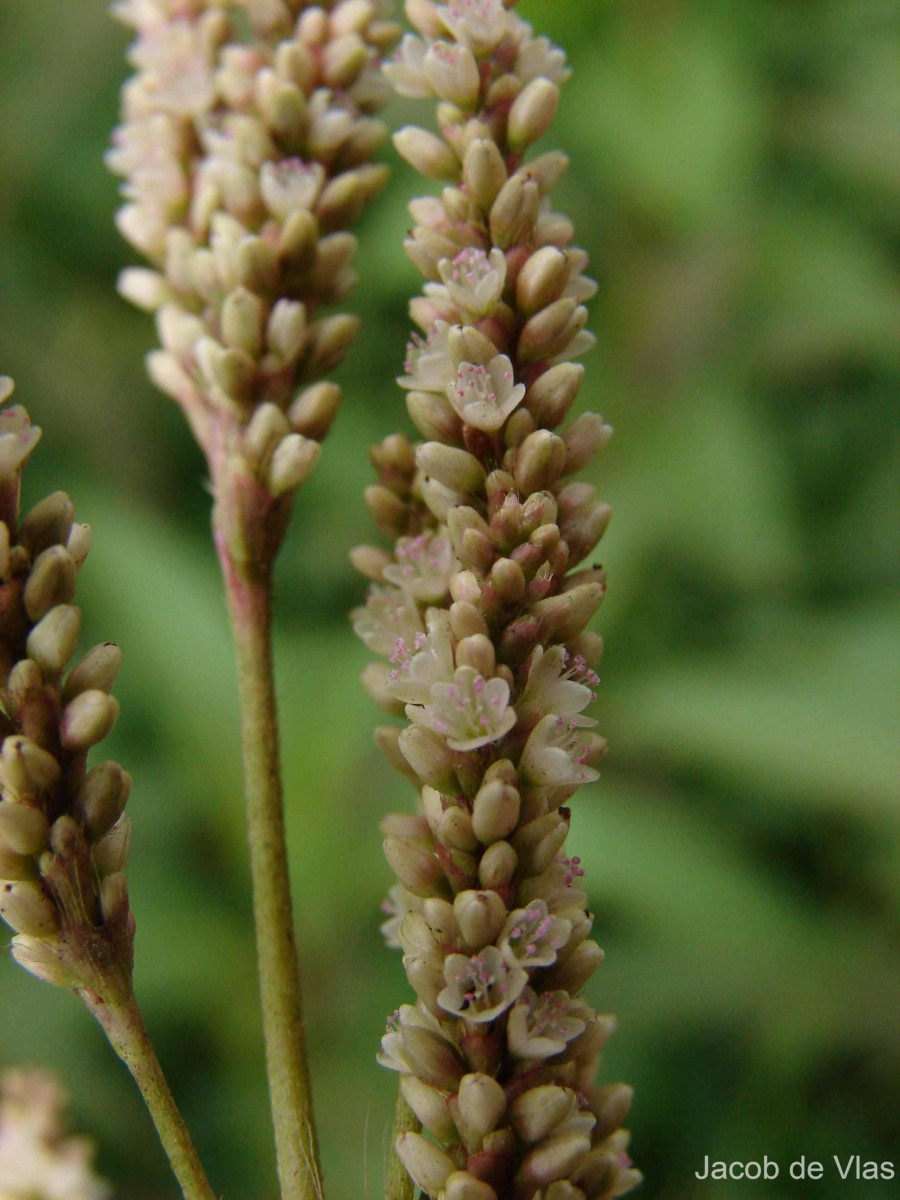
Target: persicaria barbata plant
480, 615
246, 151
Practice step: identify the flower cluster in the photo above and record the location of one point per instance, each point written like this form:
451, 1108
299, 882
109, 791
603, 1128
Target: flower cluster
246, 150
37, 1158
490, 659
63, 833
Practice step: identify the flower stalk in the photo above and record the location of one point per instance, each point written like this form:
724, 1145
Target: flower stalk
479, 615
64, 834
246, 151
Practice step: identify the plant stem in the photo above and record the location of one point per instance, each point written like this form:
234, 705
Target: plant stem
118, 1012
249, 599
398, 1185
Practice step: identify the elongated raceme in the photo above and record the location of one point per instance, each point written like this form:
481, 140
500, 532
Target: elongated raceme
246, 147
479, 615
63, 832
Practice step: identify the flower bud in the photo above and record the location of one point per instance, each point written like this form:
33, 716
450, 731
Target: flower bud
430, 1106
453, 73
572, 973
563, 617
417, 868
497, 866
286, 330
553, 393
515, 211
454, 830
495, 811
480, 916
433, 416
267, 427
455, 469
101, 798
52, 641
26, 908
292, 462
23, 829
47, 524
463, 1186
583, 519
51, 581
538, 1111
433, 1059
532, 113
231, 370
539, 462
556, 1157
42, 959
611, 1104
26, 767
542, 279
114, 897
585, 436
242, 318
484, 172
111, 853
428, 1166
97, 669
87, 720
428, 756
426, 153
481, 1104
313, 410
538, 843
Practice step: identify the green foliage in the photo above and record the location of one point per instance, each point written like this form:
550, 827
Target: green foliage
734, 178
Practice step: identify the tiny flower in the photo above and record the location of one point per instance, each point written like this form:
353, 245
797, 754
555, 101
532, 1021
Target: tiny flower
428, 663
482, 987
539, 58
388, 615
531, 936
290, 185
540, 1026
558, 684
468, 712
484, 396
423, 567
557, 753
428, 367
176, 63
478, 24
406, 71
453, 73
474, 279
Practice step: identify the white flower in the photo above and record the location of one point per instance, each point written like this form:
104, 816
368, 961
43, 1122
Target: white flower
469, 712
428, 367
482, 987
555, 686
424, 566
532, 936
429, 663
556, 754
395, 906
290, 185
388, 615
541, 1026
478, 24
453, 73
474, 280
539, 57
176, 65
406, 72
485, 396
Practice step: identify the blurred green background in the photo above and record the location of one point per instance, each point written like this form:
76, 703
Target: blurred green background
735, 179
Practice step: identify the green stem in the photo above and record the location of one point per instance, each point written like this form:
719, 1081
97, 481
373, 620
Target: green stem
118, 1013
249, 599
398, 1185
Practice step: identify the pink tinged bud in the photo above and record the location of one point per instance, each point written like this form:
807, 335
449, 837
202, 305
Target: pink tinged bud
456, 469
101, 798
87, 720
463, 1186
537, 1112
515, 211
477, 652
22, 828
417, 868
466, 619
497, 866
52, 641
453, 73
42, 959
532, 113
430, 1106
428, 1166
481, 1105
111, 853
556, 1157
553, 393
480, 917
26, 908
429, 757
611, 1104
583, 438
292, 463
484, 172
426, 153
